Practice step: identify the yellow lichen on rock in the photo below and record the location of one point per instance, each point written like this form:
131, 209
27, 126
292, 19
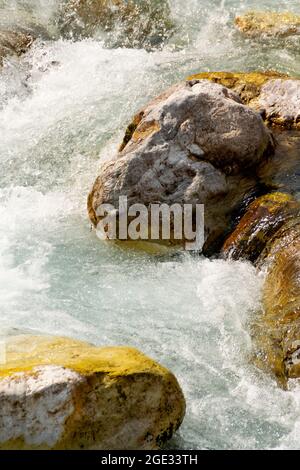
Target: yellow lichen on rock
102, 398
267, 23
246, 84
76, 355
264, 216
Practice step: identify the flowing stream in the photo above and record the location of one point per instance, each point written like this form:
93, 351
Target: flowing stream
63, 107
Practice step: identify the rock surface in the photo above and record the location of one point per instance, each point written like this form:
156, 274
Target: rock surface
274, 95
269, 235
267, 23
58, 393
191, 145
133, 23
14, 43
280, 101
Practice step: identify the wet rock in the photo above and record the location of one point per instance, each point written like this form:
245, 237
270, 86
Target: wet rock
132, 23
268, 24
14, 43
269, 235
58, 393
264, 216
191, 145
282, 171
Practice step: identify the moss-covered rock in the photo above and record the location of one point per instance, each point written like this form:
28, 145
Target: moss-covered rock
58, 393
14, 43
268, 23
133, 23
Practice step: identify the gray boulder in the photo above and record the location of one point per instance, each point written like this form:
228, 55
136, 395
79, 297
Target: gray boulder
194, 144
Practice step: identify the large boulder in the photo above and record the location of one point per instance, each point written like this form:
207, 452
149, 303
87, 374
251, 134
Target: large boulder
133, 23
14, 43
264, 24
194, 144
276, 96
58, 393
269, 235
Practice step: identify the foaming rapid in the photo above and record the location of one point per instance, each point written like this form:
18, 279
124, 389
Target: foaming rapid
63, 107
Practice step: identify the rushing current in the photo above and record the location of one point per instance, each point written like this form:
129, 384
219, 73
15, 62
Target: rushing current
64, 107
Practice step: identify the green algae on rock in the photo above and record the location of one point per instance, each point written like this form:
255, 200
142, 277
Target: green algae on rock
91, 398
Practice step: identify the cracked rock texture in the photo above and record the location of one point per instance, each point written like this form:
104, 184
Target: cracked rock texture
58, 393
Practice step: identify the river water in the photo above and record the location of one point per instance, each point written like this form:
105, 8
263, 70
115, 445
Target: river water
63, 107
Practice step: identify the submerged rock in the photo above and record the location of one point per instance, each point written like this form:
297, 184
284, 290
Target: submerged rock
14, 43
269, 235
133, 23
267, 23
58, 393
191, 145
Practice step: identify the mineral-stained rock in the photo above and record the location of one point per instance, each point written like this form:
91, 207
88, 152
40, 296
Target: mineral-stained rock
268, 24
133, 23
191, 145
269, 234
58, 393
14, 43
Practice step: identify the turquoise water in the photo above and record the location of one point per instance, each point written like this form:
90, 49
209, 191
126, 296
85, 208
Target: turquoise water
64, 107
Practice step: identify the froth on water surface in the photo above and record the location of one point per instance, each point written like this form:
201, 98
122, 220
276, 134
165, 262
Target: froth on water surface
64, 107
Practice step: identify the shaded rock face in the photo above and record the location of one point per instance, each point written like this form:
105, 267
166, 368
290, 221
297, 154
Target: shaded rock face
275, 96
57, 393
14, 43
268, 24
133, 23
191, 145
269, 235
282, 171
263, 218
